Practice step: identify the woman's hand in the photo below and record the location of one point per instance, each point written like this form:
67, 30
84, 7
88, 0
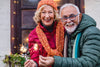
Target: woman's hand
30, 63
46, 61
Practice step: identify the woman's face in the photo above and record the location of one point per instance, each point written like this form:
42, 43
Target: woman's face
47, 15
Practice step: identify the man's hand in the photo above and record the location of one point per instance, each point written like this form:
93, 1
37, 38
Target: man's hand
30, 63
45, 61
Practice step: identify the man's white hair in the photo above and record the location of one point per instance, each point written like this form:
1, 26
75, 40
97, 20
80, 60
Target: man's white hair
69, 4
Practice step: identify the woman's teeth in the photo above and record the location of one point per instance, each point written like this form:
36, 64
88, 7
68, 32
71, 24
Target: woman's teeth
47, 19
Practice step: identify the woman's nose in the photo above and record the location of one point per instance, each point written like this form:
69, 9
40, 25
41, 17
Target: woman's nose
47, 15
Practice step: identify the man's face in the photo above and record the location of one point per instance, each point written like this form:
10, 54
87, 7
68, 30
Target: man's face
70, 18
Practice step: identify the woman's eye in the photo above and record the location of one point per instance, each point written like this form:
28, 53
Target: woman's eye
50, 12
43, 12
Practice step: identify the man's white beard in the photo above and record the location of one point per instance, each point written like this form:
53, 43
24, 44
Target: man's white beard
70, 29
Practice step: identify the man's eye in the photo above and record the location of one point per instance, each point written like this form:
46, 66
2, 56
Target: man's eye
72, 15
65, 17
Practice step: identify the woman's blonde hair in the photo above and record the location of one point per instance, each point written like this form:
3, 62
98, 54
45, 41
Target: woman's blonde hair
37, 19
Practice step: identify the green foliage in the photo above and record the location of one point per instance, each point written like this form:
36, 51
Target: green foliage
14, 59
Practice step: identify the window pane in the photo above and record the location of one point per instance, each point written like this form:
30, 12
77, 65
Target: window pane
25, 34
58, 2
29, 3
61, 2
27, 19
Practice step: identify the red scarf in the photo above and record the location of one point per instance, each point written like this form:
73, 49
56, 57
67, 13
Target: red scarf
59, 40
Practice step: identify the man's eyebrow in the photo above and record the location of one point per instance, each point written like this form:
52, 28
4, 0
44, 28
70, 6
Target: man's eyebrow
72, 14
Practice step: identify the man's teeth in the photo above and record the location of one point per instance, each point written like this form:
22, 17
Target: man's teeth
73, 24
69, 24
66, 24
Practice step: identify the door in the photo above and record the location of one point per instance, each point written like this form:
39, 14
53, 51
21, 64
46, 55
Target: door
22, 12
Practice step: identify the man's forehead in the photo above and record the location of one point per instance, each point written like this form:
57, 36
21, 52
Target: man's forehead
69, 10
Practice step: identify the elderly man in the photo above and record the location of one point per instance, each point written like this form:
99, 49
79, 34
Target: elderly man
82, 41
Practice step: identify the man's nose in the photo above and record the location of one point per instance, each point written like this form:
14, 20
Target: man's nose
68, 20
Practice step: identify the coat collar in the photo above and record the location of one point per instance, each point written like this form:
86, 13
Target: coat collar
47, 29
86, 22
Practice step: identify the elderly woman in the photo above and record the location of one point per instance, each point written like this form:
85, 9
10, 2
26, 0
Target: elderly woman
47, 38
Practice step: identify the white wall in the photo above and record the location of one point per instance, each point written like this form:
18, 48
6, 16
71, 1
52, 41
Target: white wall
4, 29
92, 8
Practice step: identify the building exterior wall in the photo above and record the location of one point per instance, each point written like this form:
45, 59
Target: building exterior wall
92, 8
4, 30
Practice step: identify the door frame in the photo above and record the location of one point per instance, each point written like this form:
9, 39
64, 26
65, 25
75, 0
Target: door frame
16, 22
